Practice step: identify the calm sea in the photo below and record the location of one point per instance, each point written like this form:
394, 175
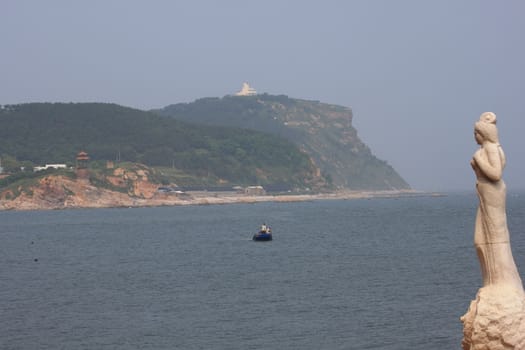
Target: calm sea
355, 274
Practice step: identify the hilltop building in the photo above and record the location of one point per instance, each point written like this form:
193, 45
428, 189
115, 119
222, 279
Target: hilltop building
246, 90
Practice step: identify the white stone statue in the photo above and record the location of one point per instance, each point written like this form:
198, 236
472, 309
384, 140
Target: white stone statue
496, 319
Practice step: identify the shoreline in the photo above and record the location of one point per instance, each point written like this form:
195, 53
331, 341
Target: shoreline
205, 198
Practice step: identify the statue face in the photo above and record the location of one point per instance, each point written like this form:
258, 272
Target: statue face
478, 137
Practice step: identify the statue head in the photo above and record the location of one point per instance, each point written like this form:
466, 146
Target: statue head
486, 127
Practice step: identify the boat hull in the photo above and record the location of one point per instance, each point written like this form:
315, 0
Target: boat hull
262, 237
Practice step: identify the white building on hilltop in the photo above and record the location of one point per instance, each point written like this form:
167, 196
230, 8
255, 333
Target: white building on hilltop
246, 90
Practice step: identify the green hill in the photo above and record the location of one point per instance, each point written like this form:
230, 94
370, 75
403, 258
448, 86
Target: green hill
42, 133
323, 131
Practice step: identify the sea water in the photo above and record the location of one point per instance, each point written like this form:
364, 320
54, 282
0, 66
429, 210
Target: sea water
391, 273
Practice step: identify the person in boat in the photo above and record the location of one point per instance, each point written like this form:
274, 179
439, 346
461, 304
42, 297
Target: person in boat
264, 228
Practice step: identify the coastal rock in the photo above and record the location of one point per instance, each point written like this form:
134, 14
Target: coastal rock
135, 185
60, 192
142, 188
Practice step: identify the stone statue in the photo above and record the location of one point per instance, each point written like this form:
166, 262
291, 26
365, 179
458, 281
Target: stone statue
496, 319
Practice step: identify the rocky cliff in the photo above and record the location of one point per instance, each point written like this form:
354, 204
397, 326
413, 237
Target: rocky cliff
120, 187
324, 131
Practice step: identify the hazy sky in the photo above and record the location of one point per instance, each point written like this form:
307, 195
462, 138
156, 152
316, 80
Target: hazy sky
417, 73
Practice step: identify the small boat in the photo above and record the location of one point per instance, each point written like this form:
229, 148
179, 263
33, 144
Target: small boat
264, 234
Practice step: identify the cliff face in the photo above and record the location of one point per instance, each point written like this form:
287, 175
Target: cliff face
323, 131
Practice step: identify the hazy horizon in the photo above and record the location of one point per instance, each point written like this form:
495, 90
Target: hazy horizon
417, 75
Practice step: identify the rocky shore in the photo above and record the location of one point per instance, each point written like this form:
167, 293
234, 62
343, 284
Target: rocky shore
58, 192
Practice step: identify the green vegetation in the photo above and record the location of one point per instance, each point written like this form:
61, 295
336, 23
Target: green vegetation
23, 181
29, 176
235, 140
323, 131
39, 133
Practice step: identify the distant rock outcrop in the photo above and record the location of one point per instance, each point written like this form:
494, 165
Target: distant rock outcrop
121, 188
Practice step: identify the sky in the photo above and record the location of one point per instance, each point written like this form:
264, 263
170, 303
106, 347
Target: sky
417, 74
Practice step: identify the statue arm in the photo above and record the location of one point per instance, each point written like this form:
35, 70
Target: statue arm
491, 166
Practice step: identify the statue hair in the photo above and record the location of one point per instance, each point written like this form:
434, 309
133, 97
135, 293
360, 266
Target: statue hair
486, 126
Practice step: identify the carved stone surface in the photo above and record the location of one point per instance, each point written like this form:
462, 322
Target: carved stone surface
496, 318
